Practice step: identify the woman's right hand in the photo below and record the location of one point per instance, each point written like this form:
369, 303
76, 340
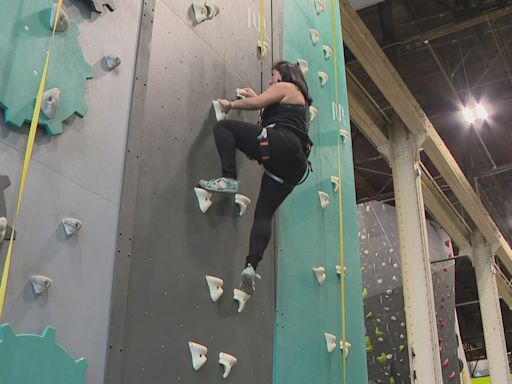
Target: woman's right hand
247, 92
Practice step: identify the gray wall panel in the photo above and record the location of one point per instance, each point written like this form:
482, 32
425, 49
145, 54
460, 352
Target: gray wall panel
174, 245
77, 173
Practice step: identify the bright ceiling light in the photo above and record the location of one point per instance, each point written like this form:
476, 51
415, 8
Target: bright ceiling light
468, 115
481, 112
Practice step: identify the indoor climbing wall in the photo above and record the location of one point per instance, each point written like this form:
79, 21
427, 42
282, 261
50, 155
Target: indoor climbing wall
76, 171
386, 333
309, 228
182, 66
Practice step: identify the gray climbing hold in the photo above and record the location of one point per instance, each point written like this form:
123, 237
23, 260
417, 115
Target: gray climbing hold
3, 228
97, 5
40, 283
62, 22
112, 62
50, 102
71, 225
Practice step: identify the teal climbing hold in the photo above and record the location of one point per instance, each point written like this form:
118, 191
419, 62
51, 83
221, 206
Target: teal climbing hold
28, 359
23, 45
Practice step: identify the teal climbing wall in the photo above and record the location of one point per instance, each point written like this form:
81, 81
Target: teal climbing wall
309, 236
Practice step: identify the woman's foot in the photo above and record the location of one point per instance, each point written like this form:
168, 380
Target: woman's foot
248, 283
222, 184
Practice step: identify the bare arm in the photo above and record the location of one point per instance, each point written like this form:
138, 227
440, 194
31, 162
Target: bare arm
274, 94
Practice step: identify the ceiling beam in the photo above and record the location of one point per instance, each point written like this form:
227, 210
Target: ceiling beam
366, 49
366, 115
451, 29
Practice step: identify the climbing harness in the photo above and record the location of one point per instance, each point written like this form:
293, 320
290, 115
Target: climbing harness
28, 156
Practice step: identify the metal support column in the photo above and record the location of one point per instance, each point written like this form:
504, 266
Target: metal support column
483, 261
420, 315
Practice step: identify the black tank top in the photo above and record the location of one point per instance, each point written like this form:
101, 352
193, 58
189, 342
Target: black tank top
289, 116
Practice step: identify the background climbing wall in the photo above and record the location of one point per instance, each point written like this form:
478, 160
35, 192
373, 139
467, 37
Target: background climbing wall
309, 236
386, 334
183, 66
78, 173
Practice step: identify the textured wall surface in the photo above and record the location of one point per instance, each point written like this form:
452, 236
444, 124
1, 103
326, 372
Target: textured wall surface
75, 174
175, 245
309, 236
386, 332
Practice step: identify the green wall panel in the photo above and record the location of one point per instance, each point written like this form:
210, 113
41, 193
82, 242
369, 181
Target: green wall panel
308, 235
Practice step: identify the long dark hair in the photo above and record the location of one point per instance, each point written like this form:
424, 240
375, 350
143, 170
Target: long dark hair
291, 73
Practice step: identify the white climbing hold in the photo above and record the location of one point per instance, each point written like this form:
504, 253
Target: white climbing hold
312, 113
112, 62
219, 111
319, 274
324, 199
338, 269
200, 12
344, 135
215, 285
212, 10
315, 35
71, 225
379, 281
242, 299
335, 180
62, 22
330, 341
346, 348
323, 78
327, 52
263, 47
320, 6
304, 66
243, 202
198, 353
389, 292
239, 93
3, 228
204, 198
40, 283
227, 361
50, 102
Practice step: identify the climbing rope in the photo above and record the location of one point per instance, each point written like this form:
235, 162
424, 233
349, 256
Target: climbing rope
340, 201
26, 161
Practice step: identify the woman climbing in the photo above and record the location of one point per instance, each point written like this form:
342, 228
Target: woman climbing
280, 143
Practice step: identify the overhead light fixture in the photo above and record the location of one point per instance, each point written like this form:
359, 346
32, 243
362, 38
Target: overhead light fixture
473, 112
468, 115
481, 112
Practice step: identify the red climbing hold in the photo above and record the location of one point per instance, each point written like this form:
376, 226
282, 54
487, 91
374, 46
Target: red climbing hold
445, 269
448, 243
445, 363
442, 323
452, 375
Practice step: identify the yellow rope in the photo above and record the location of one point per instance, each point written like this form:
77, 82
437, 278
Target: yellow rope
340, 200
26, 161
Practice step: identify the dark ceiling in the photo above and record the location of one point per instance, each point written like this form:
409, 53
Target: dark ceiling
449, 53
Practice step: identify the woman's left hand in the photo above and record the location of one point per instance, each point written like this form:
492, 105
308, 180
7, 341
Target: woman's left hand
225, 104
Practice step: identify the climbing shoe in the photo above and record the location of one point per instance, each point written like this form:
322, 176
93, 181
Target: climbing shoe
248, 283
222, 184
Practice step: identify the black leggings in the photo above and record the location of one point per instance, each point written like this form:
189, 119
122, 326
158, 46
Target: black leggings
287, 161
